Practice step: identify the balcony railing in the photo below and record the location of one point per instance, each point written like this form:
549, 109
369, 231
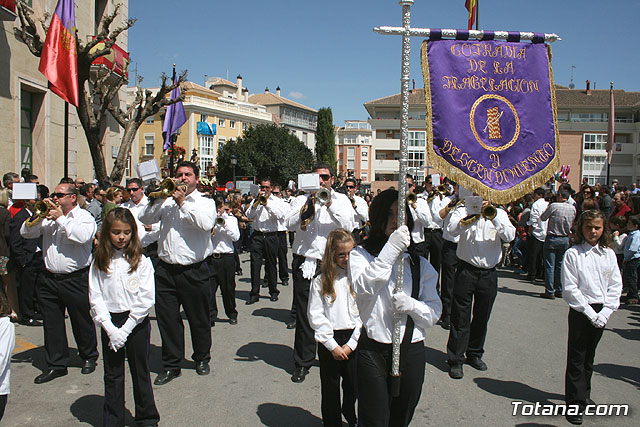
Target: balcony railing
255, 113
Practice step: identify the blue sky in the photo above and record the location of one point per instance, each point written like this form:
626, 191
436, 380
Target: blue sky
325, 53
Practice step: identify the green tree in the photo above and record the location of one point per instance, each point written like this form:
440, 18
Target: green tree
265, 150
325, 137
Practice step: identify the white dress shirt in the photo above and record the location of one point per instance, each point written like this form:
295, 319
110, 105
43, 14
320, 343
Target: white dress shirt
66, 242
421, 219
539, 226
360, 213
590, 275
480, 243
436, 206
265, 218
146, 237
374, 281
118, 290
225, 235
326, 316
7, 344
445, 232
313, 240
185, 231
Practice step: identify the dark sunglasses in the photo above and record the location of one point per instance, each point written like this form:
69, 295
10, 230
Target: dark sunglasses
265, 186
350, 186
325, 177
132, 189
275, 192
60, 195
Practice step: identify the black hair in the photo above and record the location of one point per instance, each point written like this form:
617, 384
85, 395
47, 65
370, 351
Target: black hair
564, 194
67, 180
539, 191
323, 165
378, 217
350, 179
219, 199
187, 164
136, 181
44, 191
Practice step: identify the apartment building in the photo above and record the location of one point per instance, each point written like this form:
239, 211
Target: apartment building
353, 149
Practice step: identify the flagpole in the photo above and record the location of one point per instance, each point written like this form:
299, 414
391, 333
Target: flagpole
477, 15
173, 137
610, 132
66, 139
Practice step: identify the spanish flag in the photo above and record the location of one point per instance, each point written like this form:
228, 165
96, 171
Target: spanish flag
59, 58
471, 7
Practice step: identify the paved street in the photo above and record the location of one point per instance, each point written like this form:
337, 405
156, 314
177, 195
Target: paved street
252, 363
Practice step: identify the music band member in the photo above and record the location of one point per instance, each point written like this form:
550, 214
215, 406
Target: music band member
449, 262
476, 281
223, 263
312, 220
182, 275
360, 210
265, 212
148, 233
421, 214
283, 270
67, 238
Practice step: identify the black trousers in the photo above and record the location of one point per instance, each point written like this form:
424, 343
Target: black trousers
283, 269
581, 351
375, 405
331, 370
304, 345
188, 286
223, 275
136, 351
534, 254
475, 287
263, 245
433, 241
28, 278
422, 249
70, 291
447, 276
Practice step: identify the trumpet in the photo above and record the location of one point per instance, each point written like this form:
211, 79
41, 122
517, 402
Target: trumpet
40, 212
167, 188
412, 199
323, 196
261, 200
489, 212
220, 221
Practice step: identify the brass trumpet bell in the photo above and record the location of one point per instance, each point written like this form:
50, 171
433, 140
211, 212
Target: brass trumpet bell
412, 198
40, 212
489, 212
167, 188
323, 196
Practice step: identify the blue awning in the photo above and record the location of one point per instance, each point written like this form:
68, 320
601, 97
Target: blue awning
205, 128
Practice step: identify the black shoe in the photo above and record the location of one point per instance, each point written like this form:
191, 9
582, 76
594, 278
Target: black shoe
477, 363
49, 375
202, 368
265, 284
285, 283
212, 323
251, 300
546, 295
238, 272
273, 298
88, 367
558, 294
291, 324
299, 374
167, 376
445, 324
590, 402
233, 321
30, 322
455, 372
574, 419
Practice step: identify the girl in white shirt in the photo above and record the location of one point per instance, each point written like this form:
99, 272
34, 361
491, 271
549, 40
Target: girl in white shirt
333, 315
121, 294
7, 344
591, 286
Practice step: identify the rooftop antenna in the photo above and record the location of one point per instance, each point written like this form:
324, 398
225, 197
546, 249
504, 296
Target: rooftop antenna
572, 85
205, 80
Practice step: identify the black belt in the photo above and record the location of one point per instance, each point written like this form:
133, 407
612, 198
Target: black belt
555, 235
265, 233
217, 256
466, 265
169, 266
62, 276
432, 230
281, 233
153, 246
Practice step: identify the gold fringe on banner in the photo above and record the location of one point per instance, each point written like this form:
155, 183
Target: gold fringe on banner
473, 184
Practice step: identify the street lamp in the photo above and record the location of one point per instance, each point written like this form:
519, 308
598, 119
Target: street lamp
234, 162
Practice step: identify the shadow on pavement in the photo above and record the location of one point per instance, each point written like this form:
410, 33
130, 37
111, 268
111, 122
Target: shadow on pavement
628, 334
276, 355
275, 415
535, 425
628, 374
278, 314
36, 356
89, 409
436, 358
533, 293
517, 391
242, 295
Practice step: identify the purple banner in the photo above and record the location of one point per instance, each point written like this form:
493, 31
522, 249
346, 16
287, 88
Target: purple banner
491, 115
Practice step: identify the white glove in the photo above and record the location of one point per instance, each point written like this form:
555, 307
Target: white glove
110, 328
396, 245
403, 303
308, 268
606, 313
128, 327
599, 321
118, 340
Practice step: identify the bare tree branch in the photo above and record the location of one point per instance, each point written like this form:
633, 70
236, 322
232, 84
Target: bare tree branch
27, 31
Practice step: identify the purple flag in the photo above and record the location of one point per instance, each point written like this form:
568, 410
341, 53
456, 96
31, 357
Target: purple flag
491, 115
175, 117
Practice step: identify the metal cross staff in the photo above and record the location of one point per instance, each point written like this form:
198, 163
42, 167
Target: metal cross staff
406, 32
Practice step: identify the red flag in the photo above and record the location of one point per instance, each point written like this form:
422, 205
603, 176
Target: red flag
59, 59
611, 130
471, 7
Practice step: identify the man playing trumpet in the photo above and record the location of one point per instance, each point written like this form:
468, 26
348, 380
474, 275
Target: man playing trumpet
182, 275
482, 228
